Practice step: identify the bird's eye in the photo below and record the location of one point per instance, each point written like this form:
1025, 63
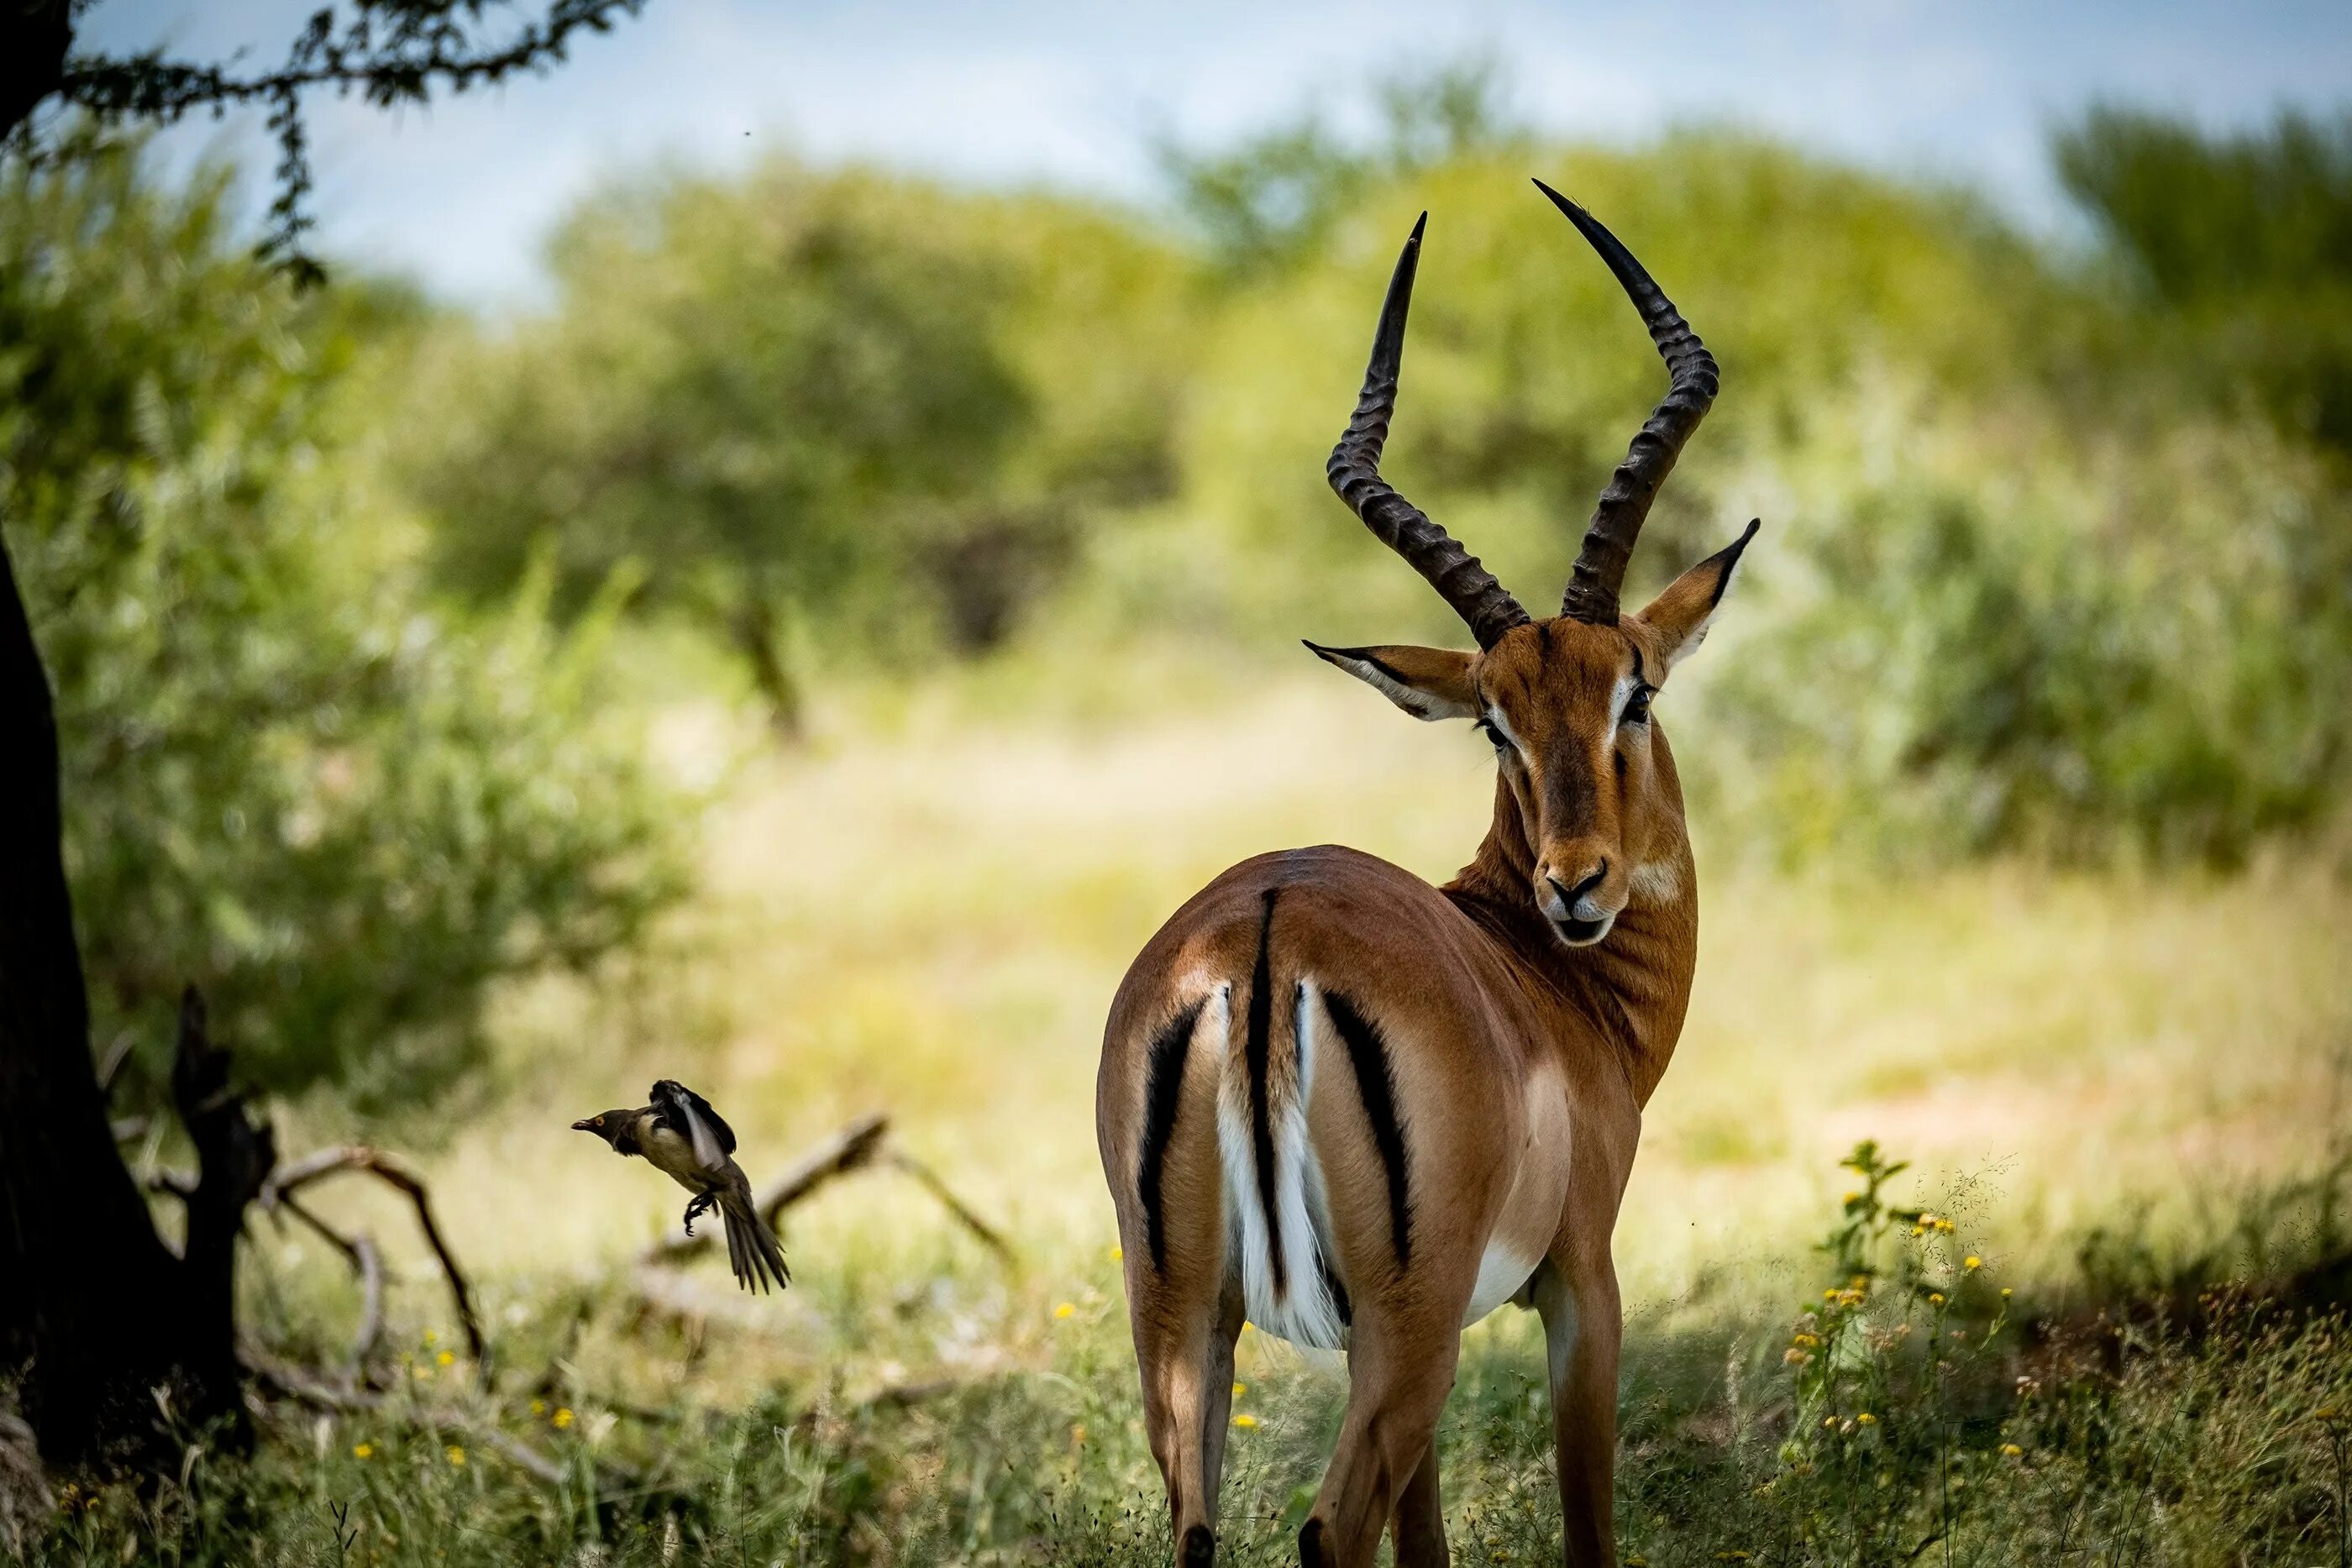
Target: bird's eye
1637, 707
599, 1121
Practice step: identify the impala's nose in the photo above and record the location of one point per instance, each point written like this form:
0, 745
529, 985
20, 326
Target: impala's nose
1577, 903
1583, 890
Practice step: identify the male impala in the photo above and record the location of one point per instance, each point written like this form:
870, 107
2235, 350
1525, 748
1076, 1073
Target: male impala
1360, 1110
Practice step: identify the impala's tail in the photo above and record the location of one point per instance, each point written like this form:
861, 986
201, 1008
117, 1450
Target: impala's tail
1274, 1206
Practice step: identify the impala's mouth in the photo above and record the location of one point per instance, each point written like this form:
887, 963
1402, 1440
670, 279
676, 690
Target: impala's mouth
1582, 933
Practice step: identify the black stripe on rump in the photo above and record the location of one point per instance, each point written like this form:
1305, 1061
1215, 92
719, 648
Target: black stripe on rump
1163, 1097
1261, 1026
1368, 1053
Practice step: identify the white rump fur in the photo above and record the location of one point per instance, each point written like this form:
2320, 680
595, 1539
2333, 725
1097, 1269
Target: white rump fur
1305, 1313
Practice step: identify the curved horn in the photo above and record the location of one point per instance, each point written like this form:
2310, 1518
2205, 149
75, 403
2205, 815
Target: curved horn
1616, 523
1396, 522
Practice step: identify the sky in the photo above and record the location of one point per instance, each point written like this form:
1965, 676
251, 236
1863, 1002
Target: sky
1073, 92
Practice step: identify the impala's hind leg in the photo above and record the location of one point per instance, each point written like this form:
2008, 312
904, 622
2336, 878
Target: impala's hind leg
1184, 1349
1399, 1372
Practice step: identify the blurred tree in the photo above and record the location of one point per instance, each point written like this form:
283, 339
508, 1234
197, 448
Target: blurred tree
1264, 201
807, 402
2243, 241
100, 1314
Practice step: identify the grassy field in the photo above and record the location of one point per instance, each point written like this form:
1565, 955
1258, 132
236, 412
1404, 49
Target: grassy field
927, 917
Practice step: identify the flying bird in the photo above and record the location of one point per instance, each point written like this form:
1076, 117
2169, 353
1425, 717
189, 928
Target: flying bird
681, 1136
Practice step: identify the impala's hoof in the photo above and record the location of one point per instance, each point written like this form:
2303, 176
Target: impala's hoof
1310, 1545
1200, 1547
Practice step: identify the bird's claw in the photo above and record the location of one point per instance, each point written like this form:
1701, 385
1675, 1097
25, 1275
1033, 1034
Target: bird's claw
700, 1206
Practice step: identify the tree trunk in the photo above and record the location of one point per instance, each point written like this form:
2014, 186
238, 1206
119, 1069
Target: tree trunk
87, 1307
95, 1308
758, 639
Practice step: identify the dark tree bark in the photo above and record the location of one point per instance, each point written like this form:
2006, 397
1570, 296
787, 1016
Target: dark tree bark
77, 1244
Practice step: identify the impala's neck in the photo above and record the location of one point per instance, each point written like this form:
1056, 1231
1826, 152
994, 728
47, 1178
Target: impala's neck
1630, 989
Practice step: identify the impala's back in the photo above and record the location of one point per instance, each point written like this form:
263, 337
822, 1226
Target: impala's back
1256, 1069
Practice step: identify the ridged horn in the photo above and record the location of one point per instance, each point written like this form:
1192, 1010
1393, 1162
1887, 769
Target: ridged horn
1355, 474
1616, 523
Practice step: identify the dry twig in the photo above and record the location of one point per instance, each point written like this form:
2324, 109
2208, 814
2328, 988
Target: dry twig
328, 1162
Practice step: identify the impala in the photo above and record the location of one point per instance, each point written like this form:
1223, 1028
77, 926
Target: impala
1362, 1112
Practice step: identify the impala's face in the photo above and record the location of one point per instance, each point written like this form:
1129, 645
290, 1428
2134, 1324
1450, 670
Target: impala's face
1567, 707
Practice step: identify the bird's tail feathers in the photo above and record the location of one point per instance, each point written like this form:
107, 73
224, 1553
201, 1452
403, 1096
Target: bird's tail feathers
753, 1250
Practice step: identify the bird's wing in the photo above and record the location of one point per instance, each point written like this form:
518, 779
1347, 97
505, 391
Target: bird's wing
689, 1115
685, 1108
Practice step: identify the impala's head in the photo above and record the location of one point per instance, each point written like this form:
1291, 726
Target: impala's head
1565, 700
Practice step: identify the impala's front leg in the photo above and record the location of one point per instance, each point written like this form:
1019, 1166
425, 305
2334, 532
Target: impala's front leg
1583, 1323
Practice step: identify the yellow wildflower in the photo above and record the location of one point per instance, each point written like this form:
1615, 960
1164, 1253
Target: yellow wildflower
446, 1359
2013, 1450
1866, 1419
363, 1450
1972, 1262
1935, 1298
1244, 1420
1240, 1389
539, 1406
1828, 1422
456, 1454
1066, 1309
1919, 1229
1117, 1253
563, 1417
431, 1337
2004, 1292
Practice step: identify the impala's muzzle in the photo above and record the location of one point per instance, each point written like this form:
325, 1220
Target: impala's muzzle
1582, 907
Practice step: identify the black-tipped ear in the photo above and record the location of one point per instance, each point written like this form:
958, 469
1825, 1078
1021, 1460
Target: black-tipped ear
1682, 614
1427, 683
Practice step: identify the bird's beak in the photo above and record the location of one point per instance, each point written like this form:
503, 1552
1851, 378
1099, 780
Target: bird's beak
584, 1126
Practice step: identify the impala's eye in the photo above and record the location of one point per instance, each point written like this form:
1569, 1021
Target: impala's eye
1637, 707
1494, 736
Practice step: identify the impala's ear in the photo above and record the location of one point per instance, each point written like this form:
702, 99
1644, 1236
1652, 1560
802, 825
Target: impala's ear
1681, 615
1427, 683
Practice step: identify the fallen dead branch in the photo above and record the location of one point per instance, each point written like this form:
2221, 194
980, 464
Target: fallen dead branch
289, 1179
989, 1237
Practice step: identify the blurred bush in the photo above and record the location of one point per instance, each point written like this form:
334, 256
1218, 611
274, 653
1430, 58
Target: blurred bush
816, 407
287, 777
2241, 244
